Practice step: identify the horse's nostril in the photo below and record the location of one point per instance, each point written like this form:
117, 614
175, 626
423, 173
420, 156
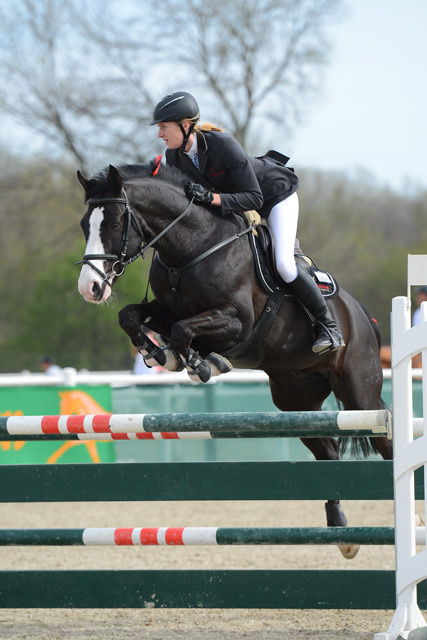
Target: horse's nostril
96, 291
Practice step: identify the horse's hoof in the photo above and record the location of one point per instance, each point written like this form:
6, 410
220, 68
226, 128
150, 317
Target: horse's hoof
198, 369
218, 364
349, 551
201, 375
335, 517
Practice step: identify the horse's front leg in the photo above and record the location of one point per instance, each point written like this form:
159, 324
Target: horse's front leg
216, 325
135, 319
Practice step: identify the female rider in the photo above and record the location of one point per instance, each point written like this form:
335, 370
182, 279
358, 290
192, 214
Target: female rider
225, 176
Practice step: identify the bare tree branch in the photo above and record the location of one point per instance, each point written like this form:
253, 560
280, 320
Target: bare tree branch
84, 77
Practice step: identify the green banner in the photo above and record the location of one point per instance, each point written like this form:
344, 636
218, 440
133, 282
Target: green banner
40, 401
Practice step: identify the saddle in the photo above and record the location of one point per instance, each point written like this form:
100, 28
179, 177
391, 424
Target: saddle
262, 244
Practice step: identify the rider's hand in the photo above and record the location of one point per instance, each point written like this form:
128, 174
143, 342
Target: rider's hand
199, 193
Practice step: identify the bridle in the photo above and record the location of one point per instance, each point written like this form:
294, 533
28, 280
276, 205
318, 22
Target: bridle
119, 263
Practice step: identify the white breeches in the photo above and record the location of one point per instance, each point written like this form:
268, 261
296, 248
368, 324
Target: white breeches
283, 222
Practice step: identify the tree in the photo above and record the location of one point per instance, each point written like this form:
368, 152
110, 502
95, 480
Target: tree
41, 310
362, 234
39, 214
260, 60
85, 76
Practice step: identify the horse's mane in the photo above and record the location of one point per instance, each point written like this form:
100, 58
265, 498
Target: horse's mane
99, 181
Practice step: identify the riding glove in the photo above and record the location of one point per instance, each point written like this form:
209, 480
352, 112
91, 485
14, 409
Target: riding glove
199, 193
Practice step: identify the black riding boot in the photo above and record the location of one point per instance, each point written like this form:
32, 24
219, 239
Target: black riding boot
328, 336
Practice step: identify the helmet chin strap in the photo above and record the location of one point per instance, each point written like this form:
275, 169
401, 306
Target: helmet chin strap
186, 136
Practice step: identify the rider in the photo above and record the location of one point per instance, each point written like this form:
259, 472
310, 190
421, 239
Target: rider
225, 176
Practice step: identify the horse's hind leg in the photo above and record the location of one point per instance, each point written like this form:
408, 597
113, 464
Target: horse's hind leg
359, 387
328, 449
290, 393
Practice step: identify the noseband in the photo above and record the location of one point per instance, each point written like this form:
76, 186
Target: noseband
119, 262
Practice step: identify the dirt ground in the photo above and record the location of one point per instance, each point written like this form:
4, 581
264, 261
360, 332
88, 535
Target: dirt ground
174, 624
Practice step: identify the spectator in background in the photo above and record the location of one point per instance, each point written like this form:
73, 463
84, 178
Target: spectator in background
421, 297
48, 366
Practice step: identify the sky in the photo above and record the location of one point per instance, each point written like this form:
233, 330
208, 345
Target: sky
373, 111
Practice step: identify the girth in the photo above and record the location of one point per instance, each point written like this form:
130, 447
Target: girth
248, 354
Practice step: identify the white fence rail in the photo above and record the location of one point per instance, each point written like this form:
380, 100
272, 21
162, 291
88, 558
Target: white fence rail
410, 453
70, 377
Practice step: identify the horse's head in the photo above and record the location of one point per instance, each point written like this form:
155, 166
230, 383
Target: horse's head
106, 226
117, 234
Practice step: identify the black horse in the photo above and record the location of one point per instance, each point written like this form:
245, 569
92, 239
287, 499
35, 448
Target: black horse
208, 298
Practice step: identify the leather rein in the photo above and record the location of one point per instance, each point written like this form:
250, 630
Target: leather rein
120, 263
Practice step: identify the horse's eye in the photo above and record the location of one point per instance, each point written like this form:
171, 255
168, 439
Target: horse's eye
115, 225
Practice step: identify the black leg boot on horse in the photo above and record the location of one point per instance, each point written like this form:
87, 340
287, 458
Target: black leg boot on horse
328, 336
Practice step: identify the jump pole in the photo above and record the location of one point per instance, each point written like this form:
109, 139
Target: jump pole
203, 536
295, 424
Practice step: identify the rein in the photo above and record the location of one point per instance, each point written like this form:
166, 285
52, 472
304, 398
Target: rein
174, 272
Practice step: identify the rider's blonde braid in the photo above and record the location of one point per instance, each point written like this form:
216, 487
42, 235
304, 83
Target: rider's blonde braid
208, 126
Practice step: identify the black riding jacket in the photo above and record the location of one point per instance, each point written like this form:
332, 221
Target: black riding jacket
244, 182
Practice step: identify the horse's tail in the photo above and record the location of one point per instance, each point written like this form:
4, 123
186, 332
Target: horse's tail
363, 447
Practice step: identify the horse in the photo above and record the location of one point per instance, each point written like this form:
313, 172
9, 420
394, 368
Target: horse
208, 298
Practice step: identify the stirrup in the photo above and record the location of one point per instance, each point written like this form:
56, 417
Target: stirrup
327, 340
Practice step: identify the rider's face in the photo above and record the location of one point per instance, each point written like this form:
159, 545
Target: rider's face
171, 134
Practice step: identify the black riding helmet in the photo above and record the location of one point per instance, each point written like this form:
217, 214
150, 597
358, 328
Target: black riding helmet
176, 107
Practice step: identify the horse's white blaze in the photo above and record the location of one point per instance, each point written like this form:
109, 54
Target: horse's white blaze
88, 276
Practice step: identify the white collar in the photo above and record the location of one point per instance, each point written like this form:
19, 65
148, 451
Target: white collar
193, 148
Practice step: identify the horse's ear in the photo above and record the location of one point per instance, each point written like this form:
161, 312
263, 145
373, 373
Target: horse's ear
115, 180
82, 180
